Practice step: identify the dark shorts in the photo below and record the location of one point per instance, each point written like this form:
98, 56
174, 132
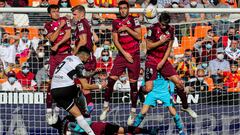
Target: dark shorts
120, 64
91, 63
54, 61
166, 71
64, 97
104, 128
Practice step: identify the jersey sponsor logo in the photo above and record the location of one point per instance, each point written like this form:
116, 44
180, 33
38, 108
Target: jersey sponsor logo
149, 33
68, 23
136, 21
80, 27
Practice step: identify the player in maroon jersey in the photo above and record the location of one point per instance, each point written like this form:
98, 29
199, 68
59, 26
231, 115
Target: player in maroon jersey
159, 42
58, 32
83, 37
126, 36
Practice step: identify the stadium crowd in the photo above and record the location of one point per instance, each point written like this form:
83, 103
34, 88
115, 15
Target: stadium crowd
206, 53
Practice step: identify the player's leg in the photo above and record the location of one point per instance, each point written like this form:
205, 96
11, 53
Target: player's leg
137, 130
117, 69
176, 119
139, 118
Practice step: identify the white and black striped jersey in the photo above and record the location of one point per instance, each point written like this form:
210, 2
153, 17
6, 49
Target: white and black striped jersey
70, 68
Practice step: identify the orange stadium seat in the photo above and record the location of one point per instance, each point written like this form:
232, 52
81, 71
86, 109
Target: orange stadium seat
216, 39
23, 60
210, 83
188, 42
53, 2
233, 90
33, 3
109, 16
2, 81
77, 2
9, 30
33, 32
178, 50
201, 31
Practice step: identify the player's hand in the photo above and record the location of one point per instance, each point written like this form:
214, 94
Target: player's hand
104, 84
62, 23
123, 28
160, 65
128, 57
165, 38
54, 48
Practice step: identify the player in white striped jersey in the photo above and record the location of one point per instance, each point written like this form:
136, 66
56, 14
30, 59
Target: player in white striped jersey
64, 90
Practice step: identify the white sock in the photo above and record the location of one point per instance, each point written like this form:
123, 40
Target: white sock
56, 110
133, 109
84, 125
105, 104
49, 110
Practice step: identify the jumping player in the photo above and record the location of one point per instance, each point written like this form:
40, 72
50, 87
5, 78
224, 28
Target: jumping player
162, 90
64, 90
159, 42
126, 36
58, 32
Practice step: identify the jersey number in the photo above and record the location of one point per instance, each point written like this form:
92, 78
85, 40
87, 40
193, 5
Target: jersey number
60, 66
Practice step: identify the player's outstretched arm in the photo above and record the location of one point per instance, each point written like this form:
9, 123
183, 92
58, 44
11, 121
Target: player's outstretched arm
86, 86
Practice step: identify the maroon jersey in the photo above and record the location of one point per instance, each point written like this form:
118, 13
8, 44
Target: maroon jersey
83, 27
52, 26
155, 33
128, 42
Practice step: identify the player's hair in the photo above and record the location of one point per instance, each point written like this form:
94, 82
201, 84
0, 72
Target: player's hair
84, 49
24, 30
123, 2
52, 6
164, 18
2, 0
80, 8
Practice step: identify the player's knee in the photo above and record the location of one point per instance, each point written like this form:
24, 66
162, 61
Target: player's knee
148, 88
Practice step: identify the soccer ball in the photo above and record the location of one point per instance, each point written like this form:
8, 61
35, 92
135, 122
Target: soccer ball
150, 11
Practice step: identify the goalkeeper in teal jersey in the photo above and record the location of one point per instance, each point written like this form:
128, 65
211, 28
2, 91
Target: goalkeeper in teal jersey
162, 90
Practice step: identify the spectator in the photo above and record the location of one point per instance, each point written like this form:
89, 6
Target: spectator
105, 61
26, 78
24, 44
205, 66
102, 76
122, 84
36, 59
194, 17
204, 48
7, 50
5, 18
18, 3
232, 78
44, 3
42, 77
64, 3
186, 65
12, 83
233, 52
218, 65
39, 40
225, 40
176, 17
105, 46
197, 83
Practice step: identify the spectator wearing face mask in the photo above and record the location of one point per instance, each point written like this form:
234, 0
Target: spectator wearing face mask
105, 61
231, 78
218, 65
233, 51
42, 77
193, 17
64, 3
105, 46
5, 18
24, 44
198, 83
225, 40
102, 76
176, 17
26, 78
204, 64
36, 59
122, 84
12, 83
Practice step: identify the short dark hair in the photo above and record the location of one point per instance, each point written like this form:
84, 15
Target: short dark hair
233, 63
188, 50
235, 38
164, 18
210, 30
79, 8
123, 2
52, 6
84, 49
24, 30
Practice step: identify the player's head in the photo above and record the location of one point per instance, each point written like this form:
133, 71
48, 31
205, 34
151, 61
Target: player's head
164, 20
78, 12
2, 3
123, 8
53, 11
83, 53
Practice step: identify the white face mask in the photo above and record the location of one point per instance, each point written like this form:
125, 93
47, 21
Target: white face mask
220, 56
46, 66
175, 6
41, 54
193, 3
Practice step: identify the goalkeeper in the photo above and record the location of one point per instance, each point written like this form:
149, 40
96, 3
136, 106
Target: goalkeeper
162, 90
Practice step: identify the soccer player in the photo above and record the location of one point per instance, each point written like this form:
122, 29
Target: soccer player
83, 35
126, 36
58, 32
64, 90
159, 43
162, 90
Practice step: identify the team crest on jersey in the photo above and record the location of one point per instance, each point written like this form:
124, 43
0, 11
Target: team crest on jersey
136, 21
149, 33
68, 23
80, 27
55, 28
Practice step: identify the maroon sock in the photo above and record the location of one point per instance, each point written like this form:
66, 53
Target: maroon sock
49, 97
134, 94
109, 90
88, 98
183, 97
